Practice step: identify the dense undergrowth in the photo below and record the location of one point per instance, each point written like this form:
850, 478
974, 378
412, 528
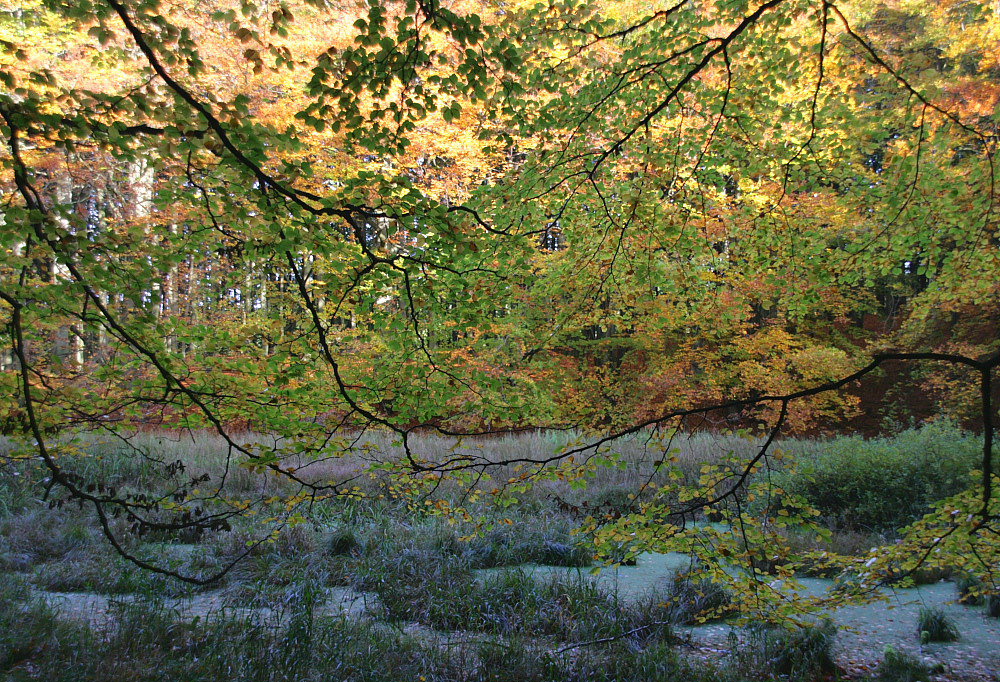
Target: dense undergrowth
885, 483
450, 598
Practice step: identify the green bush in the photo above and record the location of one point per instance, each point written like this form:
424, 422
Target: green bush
692, 598
934, 625
39, 535
970, 590
19, 486
28, 627
821, 555
772, 652
102, 572
420, 586
438, 538
550, 544
882, 484
343, 541
900, 666
993, 606
614, 500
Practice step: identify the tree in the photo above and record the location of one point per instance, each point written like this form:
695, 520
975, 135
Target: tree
469, 219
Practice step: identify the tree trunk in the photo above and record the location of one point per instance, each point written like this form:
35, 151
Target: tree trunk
67, 344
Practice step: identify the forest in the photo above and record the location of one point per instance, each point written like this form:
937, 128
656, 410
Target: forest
464, 340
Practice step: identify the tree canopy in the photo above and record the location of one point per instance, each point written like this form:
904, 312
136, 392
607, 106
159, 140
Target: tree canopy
308, 219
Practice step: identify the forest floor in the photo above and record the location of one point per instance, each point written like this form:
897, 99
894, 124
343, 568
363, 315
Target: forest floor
511, 596
864, 631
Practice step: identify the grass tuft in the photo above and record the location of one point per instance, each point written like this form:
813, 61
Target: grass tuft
900, 666
934, 625
775, 652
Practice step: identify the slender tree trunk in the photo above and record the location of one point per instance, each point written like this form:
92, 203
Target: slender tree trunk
265, 309
168, 306
140, 182
66, 337
7, 357
193, 291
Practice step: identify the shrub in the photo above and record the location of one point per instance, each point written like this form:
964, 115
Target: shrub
11, 560
768, 651
87, 574
343, 541
18, 486
993, 606
290, 541
886, 483
295, 541
549, 544
622, 553
970, 590
28, 626
693, 598
41, 535
934, 625
102, 572
555, 553
615, 500
439, 539
900, 666
493, 548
